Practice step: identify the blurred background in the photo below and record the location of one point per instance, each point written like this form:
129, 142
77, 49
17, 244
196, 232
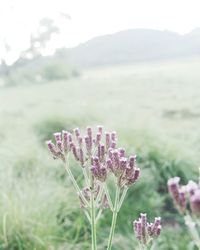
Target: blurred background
132, 66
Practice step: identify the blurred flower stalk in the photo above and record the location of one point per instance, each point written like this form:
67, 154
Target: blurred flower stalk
187, 201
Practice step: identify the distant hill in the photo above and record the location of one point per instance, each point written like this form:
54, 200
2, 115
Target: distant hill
135, 45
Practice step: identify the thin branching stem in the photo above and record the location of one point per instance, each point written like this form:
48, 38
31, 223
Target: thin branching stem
99, 196
114, 218
98, 215
86, 176
93, 217
87, 215
192, 229
122, 197
75, 184
108, 197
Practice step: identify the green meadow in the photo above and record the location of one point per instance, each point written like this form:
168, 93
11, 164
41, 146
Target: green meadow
155, 109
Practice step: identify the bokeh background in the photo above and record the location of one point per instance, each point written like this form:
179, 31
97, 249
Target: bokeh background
132, 66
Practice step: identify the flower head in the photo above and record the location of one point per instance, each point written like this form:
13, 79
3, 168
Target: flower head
145, 231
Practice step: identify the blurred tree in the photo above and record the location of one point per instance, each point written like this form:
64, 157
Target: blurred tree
4, 69
38, 42
46, 29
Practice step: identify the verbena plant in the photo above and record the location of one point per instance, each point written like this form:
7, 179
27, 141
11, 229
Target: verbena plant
187, 201
100, 158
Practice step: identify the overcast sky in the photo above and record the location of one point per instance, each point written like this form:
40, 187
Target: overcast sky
90, 18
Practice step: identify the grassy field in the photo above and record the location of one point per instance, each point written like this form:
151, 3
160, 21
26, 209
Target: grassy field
155, 108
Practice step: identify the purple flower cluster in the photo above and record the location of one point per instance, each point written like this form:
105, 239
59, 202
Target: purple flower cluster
182, 194
100, 149
99, 157
123, 168
146, 231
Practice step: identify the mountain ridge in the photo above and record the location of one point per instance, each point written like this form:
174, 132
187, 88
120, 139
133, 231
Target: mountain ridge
134, 45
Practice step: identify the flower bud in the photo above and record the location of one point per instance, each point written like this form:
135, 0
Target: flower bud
158, 230
156, 223
69, 137
75, 153
60, 145
110, 153
113, 136
88, 144
132, 160
136, 174
121, 152
150, 229
139, 230
81, 156
52, 149
177, 193
191, 187
113, 144
143, 219
195, 203
98, 138
77, 132
58, 136
65, 140
109, 164
115, 157
96, 161
100, 129
108, 140
89, 132
122, 163
182, 199
173, 187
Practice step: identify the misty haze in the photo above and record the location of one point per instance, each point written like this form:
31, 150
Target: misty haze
99, 118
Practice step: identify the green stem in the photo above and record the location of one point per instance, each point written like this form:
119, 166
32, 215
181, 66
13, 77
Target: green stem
148, 246
122, 198
99, 196
88, 216
114, 219
86, 176
192, 228
108, 197
143, 247
93, 222
75, 184
98, 215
